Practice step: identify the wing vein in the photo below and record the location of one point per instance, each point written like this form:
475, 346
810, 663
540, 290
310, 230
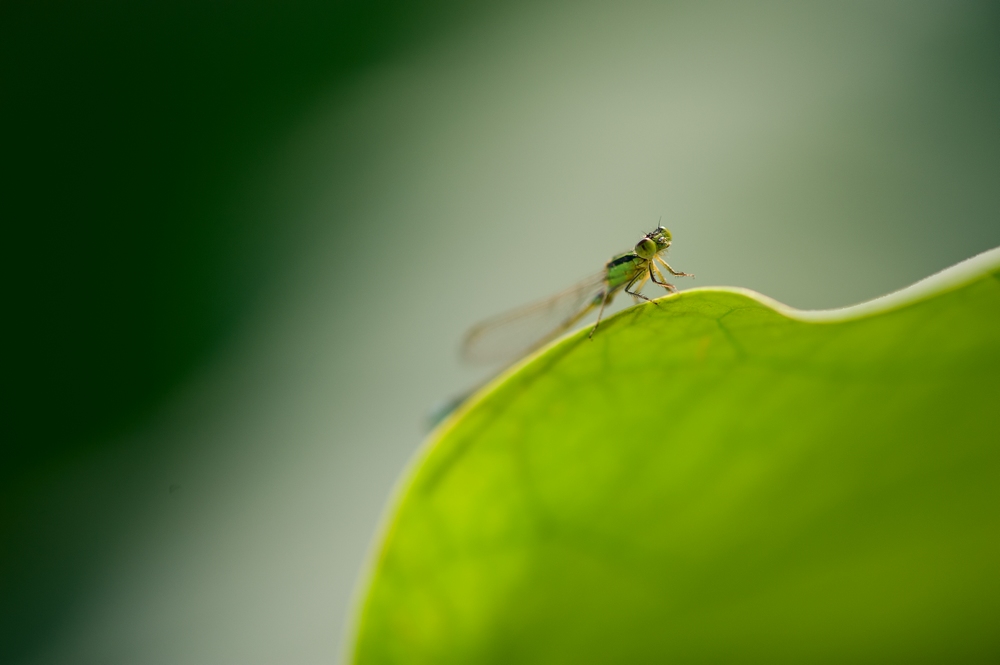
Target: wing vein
508, 336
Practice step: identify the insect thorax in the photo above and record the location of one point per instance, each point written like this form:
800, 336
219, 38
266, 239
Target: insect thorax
623, 268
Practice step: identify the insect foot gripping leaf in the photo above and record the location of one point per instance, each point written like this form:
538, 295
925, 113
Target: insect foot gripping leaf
717, 479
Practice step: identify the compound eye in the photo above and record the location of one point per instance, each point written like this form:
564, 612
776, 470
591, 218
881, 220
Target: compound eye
645, 248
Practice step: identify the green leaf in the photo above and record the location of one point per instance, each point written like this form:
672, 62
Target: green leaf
717, 478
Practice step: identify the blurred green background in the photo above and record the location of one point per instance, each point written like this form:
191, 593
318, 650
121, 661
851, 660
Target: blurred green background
244, 239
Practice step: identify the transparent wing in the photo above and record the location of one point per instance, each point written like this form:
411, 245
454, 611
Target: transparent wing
509, 336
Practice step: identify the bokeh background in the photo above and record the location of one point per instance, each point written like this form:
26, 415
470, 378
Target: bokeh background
243, 241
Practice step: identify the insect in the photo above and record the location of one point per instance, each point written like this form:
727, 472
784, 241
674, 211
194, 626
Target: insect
508, 336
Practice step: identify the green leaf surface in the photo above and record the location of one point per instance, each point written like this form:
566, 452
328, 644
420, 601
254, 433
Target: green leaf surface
716, 478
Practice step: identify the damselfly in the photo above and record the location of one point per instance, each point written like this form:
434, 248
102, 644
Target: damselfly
509, 336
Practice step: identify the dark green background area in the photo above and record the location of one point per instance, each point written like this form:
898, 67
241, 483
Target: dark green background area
124, 129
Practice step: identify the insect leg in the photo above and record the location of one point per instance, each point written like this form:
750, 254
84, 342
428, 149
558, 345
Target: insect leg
638, 286
672, 271
653, 271
636, 294
604, 301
